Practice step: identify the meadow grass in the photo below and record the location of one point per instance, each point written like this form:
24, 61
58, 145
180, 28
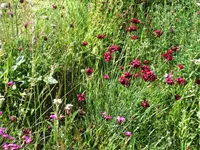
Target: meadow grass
43, 60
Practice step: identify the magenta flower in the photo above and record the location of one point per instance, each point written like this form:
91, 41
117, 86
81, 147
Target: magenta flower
81, 97
180, 80
134, 37
177, 97
53, 117
127, 75
131, 28
103, 114
101, 36
147, 74
113, 48
121, 68
1, 113
180, 66
120, 120
198, 12
135, 20
145, 62
13, 118
169, 81
158, 33
124, 81
107, 56
2, 131
145, 104
89, 71
7, 136
84, 43
135, 63
26, 131
108, 117
27, 139
10, 84
168, 55
106, 76
127, 133
10, 146
174, 48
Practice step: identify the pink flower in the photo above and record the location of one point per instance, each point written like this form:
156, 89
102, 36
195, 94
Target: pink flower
2, 131
13, 118
168, 55
129, 134
106, 76
135, 63
26, 131
53, 117
113, 48
120, 120
131, 28
180, 66
84, 43
10, 146
103, 114
180, 80
147, 74
1, 113
177, 97
169, 81
158, 33
101, 36
135, 20
145, 62
198, 12
10, 84
27, 139
127, 75
134, 37
7, 136
68, 108
108, 117
123, 80
107, 56
81, 97
145, 104
174, 48
121, 68
89, 71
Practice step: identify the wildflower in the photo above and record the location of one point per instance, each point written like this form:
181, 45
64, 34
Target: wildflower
168, 75
158, 33
53, 117
11, 13
169, 80
145, 62
131, 28
135, 20
7, 136
10, 146
121, 68
57, 101
26, 131
127, 75
1, 113
13, 118
101, 36
127, 133
147, 74
177, 97
103, 114
2, 131
123, 80
81, 97
180, 66
113, 48
168, 55
137, 75
108, 117
107, 56
89, 71
120, 120
174, 48
145, 104
84, 43
10, 84
180, 80
134, 37
135, 63
68, 108
106, 76
27, 139
198, 12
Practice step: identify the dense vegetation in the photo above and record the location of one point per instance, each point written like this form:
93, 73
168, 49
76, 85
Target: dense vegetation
99, 74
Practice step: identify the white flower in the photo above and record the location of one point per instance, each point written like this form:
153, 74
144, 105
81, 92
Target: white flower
68, 106
197, 61
57, 101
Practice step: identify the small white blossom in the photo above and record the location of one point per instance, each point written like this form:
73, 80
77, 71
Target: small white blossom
57, 101
68, 106
197, 61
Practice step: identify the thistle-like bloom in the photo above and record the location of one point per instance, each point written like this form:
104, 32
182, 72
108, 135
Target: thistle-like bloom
129, 134
120, 119
2, 131
53, 117
108, 117
1, 113
81, 97
10, 146
7, 136
168, 55
124, 81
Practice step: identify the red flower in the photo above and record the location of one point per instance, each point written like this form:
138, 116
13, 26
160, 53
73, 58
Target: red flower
197, 81
108, 117
123, 80
131, 28
174, 48
147, 74
113, 48
180, 66
101, 36
137, 75
107, 56
135, 63
106, 76
177, 97
169, 81
145, 62
89, 71
81, 97
121, 68
134, 37
84, 43
135, 20
145, 104
127, 75
158, 33
180, 80
168, 55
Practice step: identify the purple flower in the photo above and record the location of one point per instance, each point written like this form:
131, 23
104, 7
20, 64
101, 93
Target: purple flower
10, 146
120, 119
108, 117
10, 83
27, 139
53, 117
7, 136
128, 134
1, 112
2, 131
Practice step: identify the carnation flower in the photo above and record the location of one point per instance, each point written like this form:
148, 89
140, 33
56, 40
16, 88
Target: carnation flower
135, 63
120, 119
127, 133
135, 20
106, 76
145, 104
81, 97
107, 56
89, 71
113, 48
